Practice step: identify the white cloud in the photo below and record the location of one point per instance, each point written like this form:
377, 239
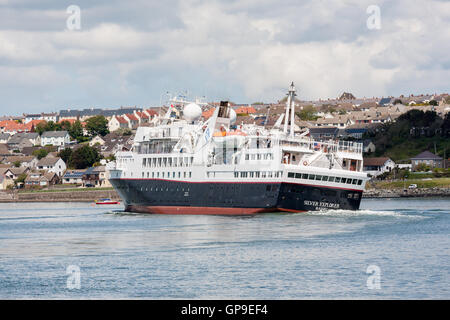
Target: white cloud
252, 47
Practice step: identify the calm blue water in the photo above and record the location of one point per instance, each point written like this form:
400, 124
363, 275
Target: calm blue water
271, 256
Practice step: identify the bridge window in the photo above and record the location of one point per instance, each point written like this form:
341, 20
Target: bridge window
318, 177
343, 180
331, 179
291, 174
359, 182
325, 178
304, 176
311, 177
355, 181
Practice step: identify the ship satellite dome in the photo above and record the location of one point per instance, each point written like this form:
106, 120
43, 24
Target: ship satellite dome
232, 116
192, 112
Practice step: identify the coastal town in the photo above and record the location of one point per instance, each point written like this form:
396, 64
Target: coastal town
69, 149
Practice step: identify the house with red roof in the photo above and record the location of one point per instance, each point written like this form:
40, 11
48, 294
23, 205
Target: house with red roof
245, 110
132, 120
118, 122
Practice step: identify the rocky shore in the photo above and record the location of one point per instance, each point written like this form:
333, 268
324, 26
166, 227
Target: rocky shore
61, 196
408, 193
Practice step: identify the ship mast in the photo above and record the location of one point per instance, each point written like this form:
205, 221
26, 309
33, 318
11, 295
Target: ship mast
290, 111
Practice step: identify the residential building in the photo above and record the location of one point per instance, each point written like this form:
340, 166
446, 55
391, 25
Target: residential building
118, 122
5, 182
323, 133
25, 161
52, 164
4, 137
427, 158
73, 177
55, 138
39, 179
97, 177
378, 166
97, 140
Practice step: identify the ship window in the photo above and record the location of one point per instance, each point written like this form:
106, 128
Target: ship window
318, 177
169, 162
304, 176
349, 181
173, 174
298, 175
311, 177
236, 174
184, 174
291, 175
144, 162
247, 157
142, 174
270, 174
258, 156
331, 179
355, 181
325, 178
356, 196
168, 174
338, 179
257, 174
158, 174
343, 180
263, 174
179, 174
349, 196
359, 182
153, 174
190, 174
251, 174
253, 156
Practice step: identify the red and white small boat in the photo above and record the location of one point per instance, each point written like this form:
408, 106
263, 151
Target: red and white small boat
106, 201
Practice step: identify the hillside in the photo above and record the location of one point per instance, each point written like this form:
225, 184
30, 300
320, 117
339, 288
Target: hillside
412, 133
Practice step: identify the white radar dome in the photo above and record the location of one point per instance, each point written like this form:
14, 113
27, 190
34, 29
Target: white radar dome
232, 116
192, 112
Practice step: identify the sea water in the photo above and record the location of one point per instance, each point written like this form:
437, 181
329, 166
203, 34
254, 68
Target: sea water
390, 249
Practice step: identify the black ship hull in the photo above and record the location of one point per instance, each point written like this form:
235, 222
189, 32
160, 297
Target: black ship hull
230, 198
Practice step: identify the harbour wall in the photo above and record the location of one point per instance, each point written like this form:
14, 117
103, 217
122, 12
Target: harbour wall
63, 196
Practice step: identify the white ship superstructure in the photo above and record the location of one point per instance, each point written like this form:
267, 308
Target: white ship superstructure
188, 166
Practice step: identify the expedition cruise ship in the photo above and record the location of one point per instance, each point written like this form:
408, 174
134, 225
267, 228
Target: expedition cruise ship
184, 165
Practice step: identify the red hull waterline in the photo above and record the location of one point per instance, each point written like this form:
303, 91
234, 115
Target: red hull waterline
201, 210
107, 203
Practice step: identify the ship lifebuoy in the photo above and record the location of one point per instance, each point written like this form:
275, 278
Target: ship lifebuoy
305, 163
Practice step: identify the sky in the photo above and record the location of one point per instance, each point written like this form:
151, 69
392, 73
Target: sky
131, 53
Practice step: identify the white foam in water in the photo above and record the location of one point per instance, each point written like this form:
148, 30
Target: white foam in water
354, 213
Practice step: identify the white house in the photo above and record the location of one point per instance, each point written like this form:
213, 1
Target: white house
55, 138
52, 164
97, 139
378, 166
117, 122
